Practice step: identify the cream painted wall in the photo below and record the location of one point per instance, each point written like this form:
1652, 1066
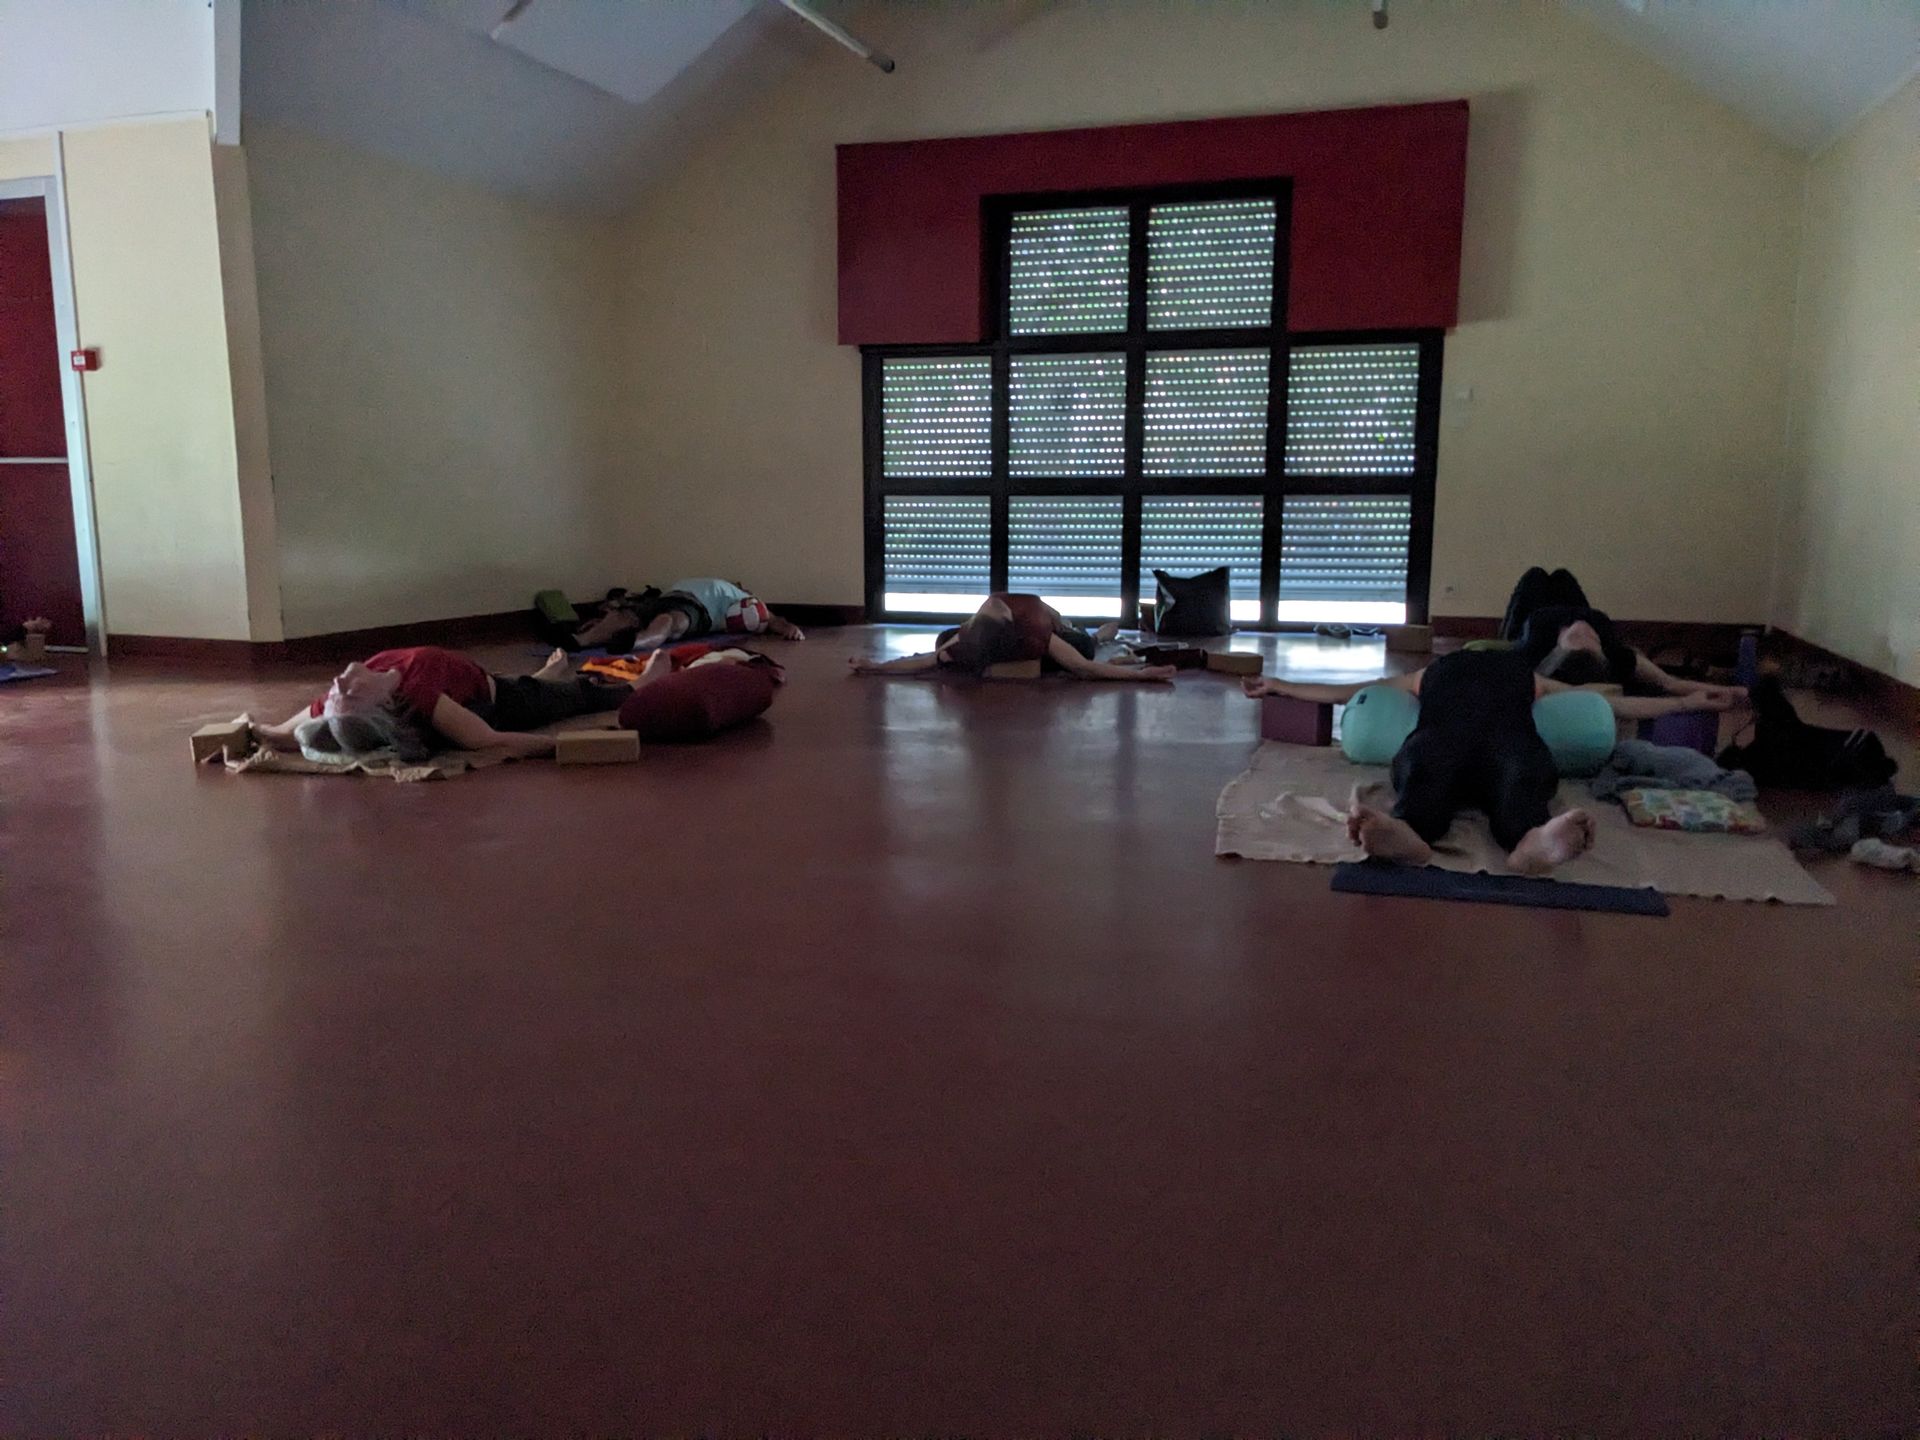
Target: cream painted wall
1850, 549
26, 156
1626, 306
441, 389
148, 292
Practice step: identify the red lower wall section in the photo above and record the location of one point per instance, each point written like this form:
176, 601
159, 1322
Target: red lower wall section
1377, 201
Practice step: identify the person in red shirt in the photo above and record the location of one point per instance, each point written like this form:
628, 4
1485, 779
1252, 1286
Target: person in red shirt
1017, 627
406, 700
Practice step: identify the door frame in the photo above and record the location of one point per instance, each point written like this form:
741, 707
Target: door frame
86, 535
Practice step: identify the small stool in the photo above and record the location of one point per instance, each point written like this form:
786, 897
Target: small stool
1688, 730
1297, 722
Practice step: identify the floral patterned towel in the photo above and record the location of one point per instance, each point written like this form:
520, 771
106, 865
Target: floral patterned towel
1693, 810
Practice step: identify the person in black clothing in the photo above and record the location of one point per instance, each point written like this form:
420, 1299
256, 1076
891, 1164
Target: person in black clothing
1475, 747
1563, 637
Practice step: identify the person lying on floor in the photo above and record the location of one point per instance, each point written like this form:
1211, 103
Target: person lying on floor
687, 611
1010, 627
1476, 747
1550, 622
423, 698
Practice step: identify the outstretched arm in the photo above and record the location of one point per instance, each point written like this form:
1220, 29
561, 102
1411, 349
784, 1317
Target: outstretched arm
468, 731
1650, 674
1328, 694
905, 665
1077, 665
1651, 707
280, 737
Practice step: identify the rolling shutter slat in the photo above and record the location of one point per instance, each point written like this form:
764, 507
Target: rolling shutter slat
1350, 409
937, 416
1067, 271
1345, 547
1065, 546
1186, 535
1210, 264
935, 545
1206, 413
1067, 415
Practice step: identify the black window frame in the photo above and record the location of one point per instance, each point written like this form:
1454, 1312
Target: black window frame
1136, 342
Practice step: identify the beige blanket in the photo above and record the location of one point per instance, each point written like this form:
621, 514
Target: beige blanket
1291, 804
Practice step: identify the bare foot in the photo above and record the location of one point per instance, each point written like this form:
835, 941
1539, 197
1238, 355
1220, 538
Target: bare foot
556, 667
1384, 837
1547, 846
659, 665
1106, 633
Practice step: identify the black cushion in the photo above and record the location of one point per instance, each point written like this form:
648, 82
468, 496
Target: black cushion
1196, 605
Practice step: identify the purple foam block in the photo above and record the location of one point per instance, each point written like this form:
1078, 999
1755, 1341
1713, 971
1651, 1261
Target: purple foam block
1689, 730
1297, 722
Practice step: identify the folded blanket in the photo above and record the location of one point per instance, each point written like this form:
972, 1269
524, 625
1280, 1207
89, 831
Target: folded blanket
1698, 810
1639, 765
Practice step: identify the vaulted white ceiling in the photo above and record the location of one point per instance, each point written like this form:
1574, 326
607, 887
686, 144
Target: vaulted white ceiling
579, 103
1803, 70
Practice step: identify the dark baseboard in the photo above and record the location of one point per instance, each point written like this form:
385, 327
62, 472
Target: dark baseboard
1883, 692
1713, 642
460, 632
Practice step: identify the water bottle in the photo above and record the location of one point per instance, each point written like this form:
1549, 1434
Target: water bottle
1747, 668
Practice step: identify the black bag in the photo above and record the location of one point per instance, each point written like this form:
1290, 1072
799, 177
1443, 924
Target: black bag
1786, 750
1194, 606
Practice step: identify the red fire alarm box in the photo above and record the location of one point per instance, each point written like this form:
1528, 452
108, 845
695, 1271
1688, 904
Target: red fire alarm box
87, 359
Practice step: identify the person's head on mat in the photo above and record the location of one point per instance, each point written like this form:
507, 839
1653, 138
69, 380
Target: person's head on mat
370, 732
1579, 658
986, 637
360, 690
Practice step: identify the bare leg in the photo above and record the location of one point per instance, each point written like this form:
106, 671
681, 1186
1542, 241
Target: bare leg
597, 632
665, 628
1543, 848
557, 667
1384, 837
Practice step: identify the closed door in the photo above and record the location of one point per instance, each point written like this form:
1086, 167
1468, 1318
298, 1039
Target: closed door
39, 558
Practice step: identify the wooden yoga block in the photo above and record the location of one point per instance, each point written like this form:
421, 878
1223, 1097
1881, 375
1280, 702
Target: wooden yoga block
1410, 639
1297, 722
226, 738
1235, 662
596, 747
1013, 670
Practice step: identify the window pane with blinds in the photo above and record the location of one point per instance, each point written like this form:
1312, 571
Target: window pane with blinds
1066, 549
1344, 557
1190, 534
1066, 415
936, 416
936, 553
1067, 271
1350, 409
1206, 413
1210, 264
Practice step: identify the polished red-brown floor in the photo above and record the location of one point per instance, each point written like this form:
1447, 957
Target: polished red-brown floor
907, 1063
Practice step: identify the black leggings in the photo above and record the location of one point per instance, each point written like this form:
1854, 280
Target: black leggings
521, 702
1536, 591
1506, 771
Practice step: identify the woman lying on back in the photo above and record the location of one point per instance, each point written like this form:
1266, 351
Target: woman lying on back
1011, 627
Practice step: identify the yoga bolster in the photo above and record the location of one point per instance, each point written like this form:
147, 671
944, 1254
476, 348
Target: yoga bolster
1578, 726
695, 703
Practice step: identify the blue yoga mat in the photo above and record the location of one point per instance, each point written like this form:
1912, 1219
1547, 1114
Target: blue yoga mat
1430, 882
10, 671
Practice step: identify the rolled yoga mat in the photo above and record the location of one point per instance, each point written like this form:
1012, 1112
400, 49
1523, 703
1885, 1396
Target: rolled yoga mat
1578, 726
1430, 882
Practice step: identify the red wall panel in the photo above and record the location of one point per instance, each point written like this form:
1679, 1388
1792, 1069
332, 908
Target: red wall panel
32, 416
1377, 200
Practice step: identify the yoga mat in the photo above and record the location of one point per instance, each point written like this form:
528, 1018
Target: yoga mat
1429, 882
1291, 804
10, 671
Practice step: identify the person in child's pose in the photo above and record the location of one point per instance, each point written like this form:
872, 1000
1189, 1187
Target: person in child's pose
687, 611
1009, 627
415, 700
1475, 747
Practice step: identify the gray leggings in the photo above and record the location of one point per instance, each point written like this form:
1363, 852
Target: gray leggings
521, 702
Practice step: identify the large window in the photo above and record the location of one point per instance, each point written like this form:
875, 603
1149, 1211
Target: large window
1143, 406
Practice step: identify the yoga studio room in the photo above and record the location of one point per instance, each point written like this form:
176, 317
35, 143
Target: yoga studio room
991, 718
